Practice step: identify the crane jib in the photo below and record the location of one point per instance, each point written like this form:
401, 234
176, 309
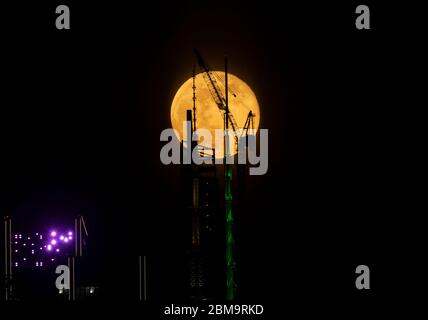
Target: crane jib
216, 93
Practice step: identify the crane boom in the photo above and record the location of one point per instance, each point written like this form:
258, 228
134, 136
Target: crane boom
216, 93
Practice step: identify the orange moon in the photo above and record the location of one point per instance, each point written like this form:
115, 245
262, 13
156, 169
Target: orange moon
208, 115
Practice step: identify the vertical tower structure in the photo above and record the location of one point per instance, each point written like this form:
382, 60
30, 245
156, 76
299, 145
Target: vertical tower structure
8, 257
231, 286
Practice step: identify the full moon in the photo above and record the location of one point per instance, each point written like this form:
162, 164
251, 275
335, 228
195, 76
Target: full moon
242, 100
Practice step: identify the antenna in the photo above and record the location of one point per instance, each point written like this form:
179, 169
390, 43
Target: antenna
194, 100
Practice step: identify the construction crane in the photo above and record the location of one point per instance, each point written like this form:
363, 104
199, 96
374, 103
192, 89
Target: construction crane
221, 80
248, 123
215, 92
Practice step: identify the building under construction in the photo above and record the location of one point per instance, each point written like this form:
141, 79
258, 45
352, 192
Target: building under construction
211, 195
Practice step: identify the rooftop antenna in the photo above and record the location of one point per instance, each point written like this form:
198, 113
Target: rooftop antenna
194, 100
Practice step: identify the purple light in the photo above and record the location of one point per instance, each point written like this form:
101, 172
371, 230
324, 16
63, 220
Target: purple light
57, 250
61, 238
70, 233
53, 234
65, 239
49, 247
53, 242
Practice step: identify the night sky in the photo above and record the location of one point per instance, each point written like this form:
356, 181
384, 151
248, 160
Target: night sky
83, 110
